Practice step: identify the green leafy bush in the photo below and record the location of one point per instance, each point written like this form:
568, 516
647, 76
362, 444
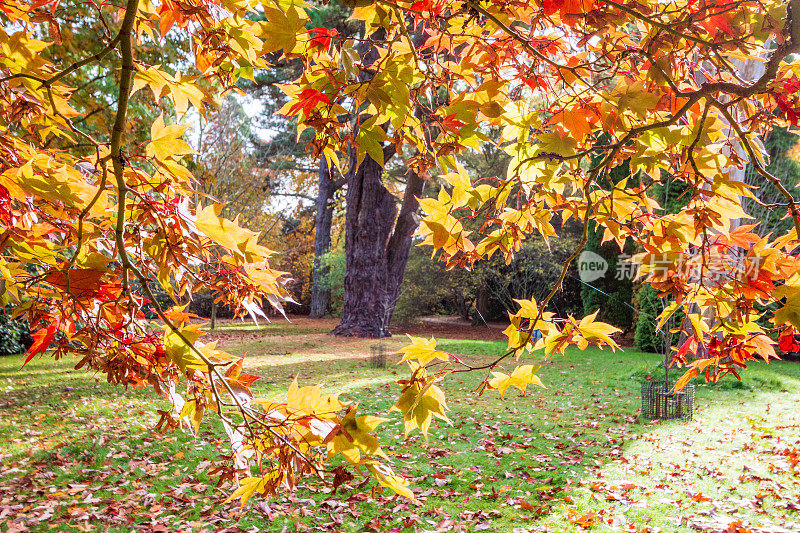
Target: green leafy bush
532, 273
15, 336
430, 289
333, 280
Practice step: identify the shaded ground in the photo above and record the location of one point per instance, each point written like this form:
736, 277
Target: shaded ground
79, 454
443, 327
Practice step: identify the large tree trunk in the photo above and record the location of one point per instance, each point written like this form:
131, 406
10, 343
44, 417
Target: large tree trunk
369, 220
321, 294
375, 256
377, 241
399, 245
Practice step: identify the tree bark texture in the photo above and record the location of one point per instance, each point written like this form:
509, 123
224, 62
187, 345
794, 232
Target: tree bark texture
377, 244
320, 292
399, 244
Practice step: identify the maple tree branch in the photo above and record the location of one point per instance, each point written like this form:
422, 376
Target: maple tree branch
292, 195
91, 113
525, 43
615, 147
47, 82
126, 78
660, 25
655, 65
41, 80
69, 122
404, 31
776, 182
697, 140
213, 368
556, 286
91, 59
116, 156
790, 46
100, 189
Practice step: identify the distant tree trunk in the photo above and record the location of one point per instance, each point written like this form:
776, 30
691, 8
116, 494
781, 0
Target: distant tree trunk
213, 312
320, 294
461, 304
481, 305
375, 256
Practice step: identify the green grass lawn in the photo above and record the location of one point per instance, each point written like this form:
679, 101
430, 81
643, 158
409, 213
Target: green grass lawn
79, 454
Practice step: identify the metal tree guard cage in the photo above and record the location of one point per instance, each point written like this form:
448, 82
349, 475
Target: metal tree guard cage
377, 357
660, 402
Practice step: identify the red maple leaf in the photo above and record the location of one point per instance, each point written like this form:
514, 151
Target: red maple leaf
789, 101
39, 3
690, 346
170, 14
322, 37
82, 282
309, 98
5, 205
788, 343
758, 286
451, 123
717, 24
430, 7
567, 7
422, 5
41, 341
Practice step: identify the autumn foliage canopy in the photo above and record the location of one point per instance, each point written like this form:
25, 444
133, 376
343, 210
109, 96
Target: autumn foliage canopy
680, 90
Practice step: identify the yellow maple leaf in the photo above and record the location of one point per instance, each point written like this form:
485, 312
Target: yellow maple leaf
355, 436
389, 479
194, 412
165, 141
226, 233
520, 378
424, 351
421, 402
181, 353
789, 313
279, 30
598, 333
262, 485
558, 143
311, 400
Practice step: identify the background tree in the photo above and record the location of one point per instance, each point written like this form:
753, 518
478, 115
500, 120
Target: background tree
285, 151
612, 294
327, 185
780, 146
267, 196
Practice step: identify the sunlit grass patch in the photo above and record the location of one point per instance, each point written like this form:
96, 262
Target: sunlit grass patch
573, 457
